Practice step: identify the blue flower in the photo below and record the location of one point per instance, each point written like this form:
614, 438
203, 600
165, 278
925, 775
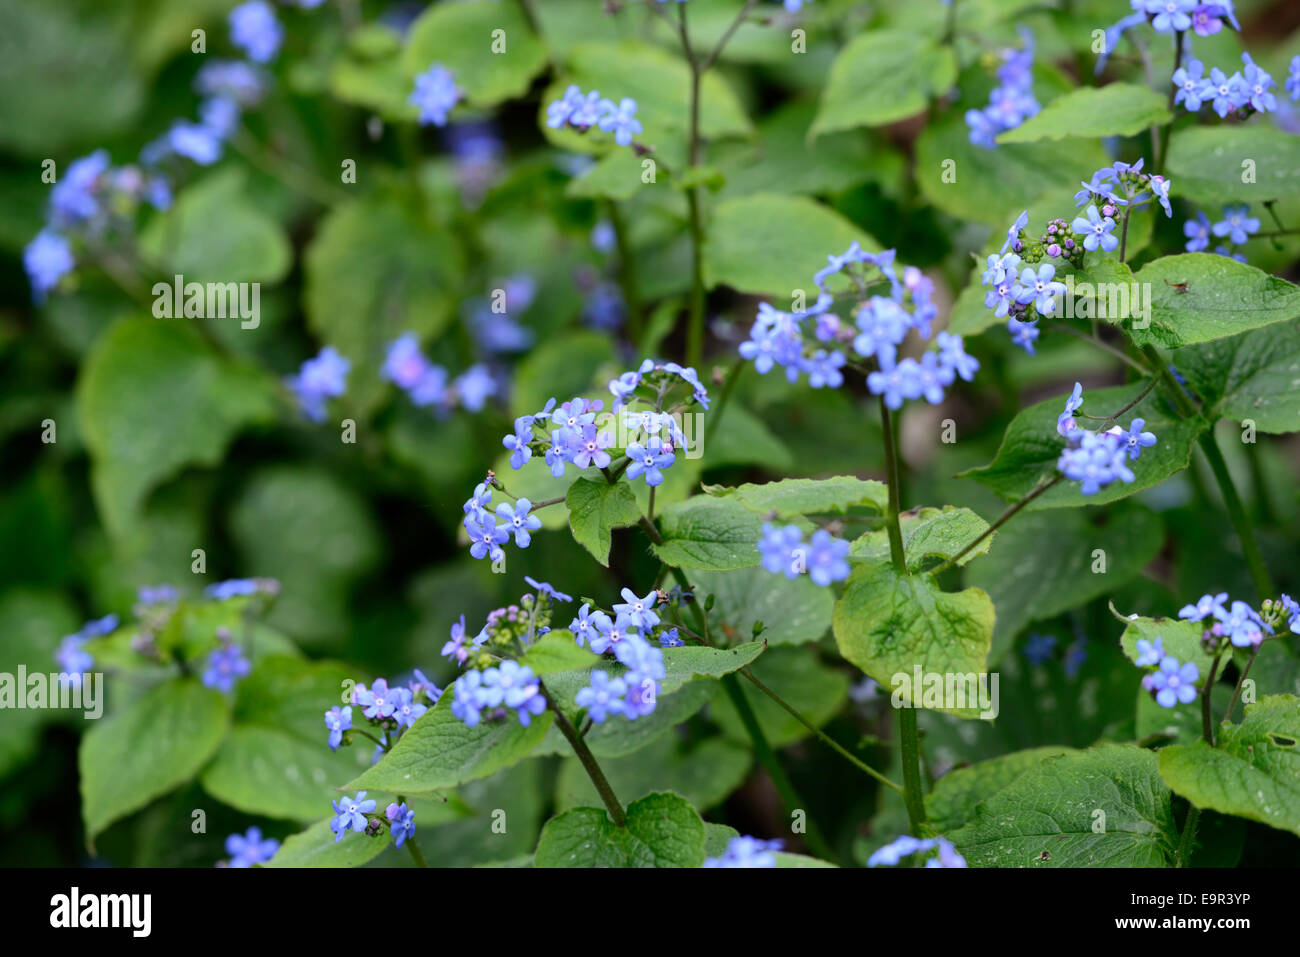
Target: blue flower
1013, 234
475, 386
1174, 684
1039, 648
351, 814
1065, 422
669, 639
1229, 92
620, 120
1023, 334
401, 822
1293, 78
602, 697
230, 79
1075, 656
1135, 440
250, 848
827, 558
948, 856
640, 658
1170, 15
518, 442
609, 634
74, 200
486, 537
588, 624
232, 588
1193, 87
1256, 84
467, 701
47, 259
1096, 231
256, 31
516, 520
157, 594
1237, 224
377, 700
404, 363
649, 460
406, 710
1160, 189
1041, 288
1095, 463
777, 548
546, 589
194, 141
637, 609
1149, 652
226, 665
338, 720
319, 380
896, 850
746, 852
560, 111
1241, 624
73, 660
952, 355
1197, 232
896, 382
435, 95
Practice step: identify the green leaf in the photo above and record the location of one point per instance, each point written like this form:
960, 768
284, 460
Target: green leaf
1222, 298
1182, 639
153, 398
616, 176
1117, 109
271, 773
1209, 164
373, 272
928, 533
952, 802
992, 186
1253, 773
155, 744
790, 498
709, 533
439, 751
461, 36
663, 830
1051, 809
882, 76
771, 244
215, 233
1249, 377
563, 366
705, 774
317, 847
83, 95
688, 662
793, 611
557, 651
32, 624
596, 508
290, 694
888, 624
1028, 582
799, 678
1031, 447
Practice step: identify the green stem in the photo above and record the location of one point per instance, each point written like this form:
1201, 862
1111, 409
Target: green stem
1236, 692
627, 273
1237, 515
695, 331
715, 414
913, 789
1188, 840
1207, 716
1005, 517
767, 757
588, 760
891, 477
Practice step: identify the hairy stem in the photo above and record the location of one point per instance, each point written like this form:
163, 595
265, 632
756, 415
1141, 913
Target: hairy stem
1237, 515
588, 760
891, 477
1236, 692
913, 788
1188, 841
1207, 715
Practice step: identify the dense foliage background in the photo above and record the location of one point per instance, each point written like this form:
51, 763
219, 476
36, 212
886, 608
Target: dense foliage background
175, 435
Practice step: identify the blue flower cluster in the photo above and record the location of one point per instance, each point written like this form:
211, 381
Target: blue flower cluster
746, 852
1239, 623
1237, 226
350, 815
1095, 459
242, 588
391, 709
635, 692
581, 111
320, 379
508, 685
428, 384
1247, 90
1171, 683
94, 199
1012, 100
1023, 288
71, 656
882, 323
907, 845
1170, 16
435, 95
824, 559
226, 665
250, 848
